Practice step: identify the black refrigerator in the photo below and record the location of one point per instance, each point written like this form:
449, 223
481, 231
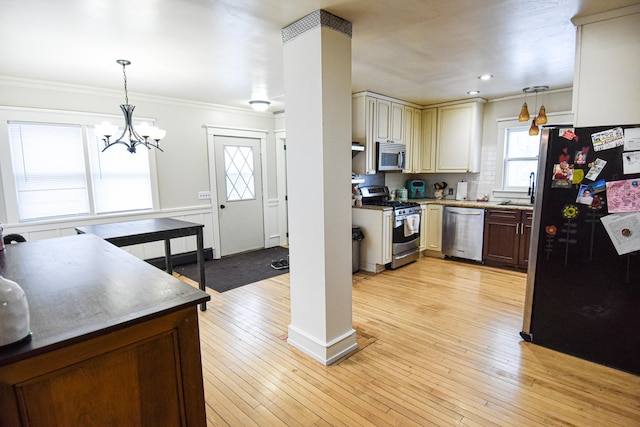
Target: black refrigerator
583, 282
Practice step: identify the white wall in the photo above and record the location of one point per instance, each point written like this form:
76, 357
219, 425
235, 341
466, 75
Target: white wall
183, 168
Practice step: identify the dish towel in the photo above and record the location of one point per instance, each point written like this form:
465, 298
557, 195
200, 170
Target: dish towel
411, 225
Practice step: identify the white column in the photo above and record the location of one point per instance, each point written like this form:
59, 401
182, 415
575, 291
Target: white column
317, 76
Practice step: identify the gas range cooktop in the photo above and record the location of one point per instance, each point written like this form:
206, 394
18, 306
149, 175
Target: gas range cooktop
396, 204
379, 196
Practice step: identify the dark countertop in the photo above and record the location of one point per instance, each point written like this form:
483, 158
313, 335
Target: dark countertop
81, 286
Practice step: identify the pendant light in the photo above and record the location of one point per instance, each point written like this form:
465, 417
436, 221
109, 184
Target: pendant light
542, 114
524, 112
534, 129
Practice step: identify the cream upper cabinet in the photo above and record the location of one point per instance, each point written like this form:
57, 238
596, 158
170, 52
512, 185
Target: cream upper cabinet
459, 137
376, 119
390, 121
364, 116
411, 118
396, 122
383, 120
424, 154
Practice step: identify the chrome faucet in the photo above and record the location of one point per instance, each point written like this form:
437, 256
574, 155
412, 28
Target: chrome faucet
532, 186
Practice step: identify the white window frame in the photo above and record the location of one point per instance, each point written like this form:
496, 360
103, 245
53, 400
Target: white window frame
559, 118
46, 116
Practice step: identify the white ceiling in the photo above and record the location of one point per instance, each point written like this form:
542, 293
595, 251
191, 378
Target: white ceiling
230, 51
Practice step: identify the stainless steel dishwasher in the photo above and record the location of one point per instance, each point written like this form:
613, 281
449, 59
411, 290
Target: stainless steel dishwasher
462, 232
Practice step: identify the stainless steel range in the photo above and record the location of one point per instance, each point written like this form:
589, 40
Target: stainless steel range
406, 220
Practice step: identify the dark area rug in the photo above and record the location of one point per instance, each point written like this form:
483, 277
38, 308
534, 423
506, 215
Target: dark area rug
237, 270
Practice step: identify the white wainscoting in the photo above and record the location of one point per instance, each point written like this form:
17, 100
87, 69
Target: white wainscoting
66, 227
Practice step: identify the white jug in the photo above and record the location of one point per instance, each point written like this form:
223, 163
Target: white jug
14, 313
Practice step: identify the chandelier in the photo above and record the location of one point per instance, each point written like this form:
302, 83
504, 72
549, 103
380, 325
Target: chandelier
131, 136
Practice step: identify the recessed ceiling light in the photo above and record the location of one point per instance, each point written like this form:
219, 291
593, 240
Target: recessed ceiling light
486, 77
473, 92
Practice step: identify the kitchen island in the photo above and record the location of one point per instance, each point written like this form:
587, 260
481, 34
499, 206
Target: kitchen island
115, 340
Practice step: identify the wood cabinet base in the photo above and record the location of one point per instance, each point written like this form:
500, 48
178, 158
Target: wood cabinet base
148, 374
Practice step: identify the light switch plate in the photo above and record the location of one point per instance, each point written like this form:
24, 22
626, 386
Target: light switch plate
202, 195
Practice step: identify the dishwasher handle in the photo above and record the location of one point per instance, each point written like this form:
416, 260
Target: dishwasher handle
465, 211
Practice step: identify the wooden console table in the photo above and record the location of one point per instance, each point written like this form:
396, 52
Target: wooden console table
115, 340
129, 233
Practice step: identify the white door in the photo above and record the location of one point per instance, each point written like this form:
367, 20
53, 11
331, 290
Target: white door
239, 191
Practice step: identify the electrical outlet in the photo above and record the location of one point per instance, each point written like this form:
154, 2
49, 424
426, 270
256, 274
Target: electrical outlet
202, 195
451, 192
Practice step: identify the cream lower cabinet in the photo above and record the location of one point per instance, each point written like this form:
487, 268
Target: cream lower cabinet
432, 230
376, 247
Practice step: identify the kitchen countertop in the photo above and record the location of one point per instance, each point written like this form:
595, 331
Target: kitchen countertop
458, 203
475, 204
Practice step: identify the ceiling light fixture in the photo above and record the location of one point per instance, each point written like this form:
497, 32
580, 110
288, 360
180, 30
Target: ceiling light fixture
259, 105
144, 134
524, 111
486, 77
473, 92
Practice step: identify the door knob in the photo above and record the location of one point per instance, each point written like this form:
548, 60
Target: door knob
222, 206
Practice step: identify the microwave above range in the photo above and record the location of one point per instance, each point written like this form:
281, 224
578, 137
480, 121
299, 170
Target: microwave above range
391, 157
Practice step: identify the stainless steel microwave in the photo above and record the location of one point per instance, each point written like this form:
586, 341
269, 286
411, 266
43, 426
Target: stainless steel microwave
391, 157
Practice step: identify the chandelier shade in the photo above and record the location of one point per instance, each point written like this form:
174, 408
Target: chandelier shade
131, 136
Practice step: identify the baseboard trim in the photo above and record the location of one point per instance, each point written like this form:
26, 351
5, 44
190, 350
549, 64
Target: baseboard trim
179, 259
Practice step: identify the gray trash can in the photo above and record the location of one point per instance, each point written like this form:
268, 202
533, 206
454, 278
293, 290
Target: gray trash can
356, 239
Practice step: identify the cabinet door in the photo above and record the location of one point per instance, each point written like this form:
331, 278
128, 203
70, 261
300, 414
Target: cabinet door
457, 138
364, 125
387, 236
526, 224
423, 227
383, 120
501, 236
397, 124
434, 228
425, 157
409, 137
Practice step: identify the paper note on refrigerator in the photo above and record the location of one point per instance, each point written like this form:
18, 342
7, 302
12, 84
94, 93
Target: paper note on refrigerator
610, 138
623, 196
596, 168
624, 231
631, 139
630, 162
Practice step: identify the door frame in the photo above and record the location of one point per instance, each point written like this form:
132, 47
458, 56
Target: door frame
281, 165
212, 132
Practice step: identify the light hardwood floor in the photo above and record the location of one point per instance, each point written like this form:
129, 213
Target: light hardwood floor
443, 349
